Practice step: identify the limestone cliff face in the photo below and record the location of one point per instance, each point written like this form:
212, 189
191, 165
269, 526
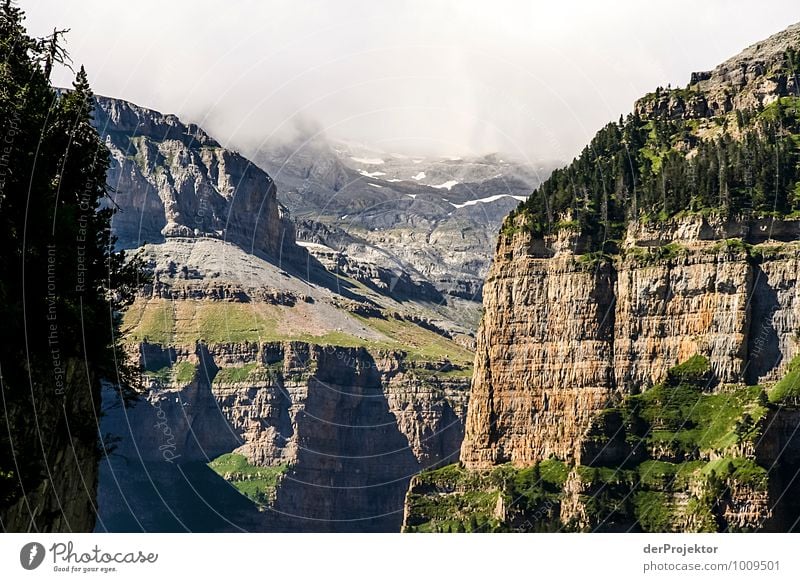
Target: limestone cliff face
352, 427
173, 180
543, 355
667, 312
564, 332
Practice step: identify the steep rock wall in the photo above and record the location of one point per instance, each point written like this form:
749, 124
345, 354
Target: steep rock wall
563, 331
696, 303
351, 426
543, 357
174, 180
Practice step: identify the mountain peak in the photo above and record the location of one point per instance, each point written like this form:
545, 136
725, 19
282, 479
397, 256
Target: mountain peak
117, 115
754, 78
174, 180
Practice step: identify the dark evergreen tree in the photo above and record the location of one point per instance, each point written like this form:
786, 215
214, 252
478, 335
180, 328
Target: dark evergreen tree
61, 291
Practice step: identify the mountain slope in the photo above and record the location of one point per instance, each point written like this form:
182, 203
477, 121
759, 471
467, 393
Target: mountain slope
173, 180
435, 217
325, 383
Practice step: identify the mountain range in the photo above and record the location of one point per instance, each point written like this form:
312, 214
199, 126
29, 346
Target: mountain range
283, 339
332, 338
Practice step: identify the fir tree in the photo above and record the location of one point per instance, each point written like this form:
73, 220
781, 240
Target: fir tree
63, 284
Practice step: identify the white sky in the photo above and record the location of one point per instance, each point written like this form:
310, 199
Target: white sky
532, 79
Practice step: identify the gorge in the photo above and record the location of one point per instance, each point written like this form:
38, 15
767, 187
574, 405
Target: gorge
328, 337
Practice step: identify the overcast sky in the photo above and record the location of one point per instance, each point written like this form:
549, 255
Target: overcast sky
534, 79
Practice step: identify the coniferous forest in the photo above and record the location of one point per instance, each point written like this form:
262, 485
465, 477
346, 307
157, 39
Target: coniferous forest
655, 167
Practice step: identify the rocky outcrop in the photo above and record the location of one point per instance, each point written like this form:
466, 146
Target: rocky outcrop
173, 180
563, 332
396, 282
754, 78
352, 427
63, 498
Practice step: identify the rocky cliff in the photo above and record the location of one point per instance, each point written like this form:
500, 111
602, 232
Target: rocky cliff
562, 334
754, 78
343, 429
317, 401
285, 390
173, 180
636, 364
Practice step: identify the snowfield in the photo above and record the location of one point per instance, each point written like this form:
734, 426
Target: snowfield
371, 174
447, 185
370, 161
489, 199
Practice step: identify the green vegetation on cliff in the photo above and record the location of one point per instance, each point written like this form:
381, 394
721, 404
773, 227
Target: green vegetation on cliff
170, 323
788, 389
257, 483
452, 499
652, 165
682, 417
180, 373
676, 457
235, 374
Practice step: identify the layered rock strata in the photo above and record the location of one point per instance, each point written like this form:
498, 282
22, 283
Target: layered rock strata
563, 332
352, 427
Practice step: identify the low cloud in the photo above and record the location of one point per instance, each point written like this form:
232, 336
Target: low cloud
534, 80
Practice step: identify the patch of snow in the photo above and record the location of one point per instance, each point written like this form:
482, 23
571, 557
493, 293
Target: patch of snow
419, 176
371, 161
343, 217
394, 180
489, 199
375, 185
371, 174
411, 195
313, 245
449, 184
417, 161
